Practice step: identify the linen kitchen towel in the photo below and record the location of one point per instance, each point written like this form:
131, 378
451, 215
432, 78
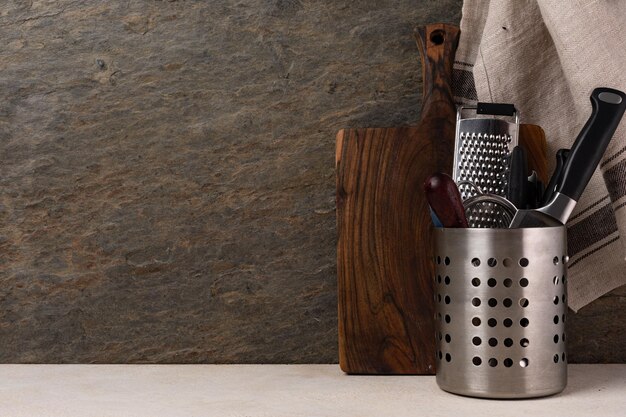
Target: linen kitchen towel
546, 56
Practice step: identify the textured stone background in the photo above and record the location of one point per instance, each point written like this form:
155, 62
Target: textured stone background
167, 179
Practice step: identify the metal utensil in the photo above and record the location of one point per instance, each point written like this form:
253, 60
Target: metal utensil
484, 210
608, 107
483, 144
445, 200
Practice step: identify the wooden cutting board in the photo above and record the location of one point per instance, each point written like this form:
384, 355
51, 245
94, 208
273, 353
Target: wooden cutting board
384, 268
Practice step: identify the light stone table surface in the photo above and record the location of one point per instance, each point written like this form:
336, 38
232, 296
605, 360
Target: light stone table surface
278, 390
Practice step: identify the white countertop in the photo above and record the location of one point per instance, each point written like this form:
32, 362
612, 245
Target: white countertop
278, 390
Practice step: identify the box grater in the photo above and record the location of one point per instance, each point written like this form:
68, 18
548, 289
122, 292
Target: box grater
482, 149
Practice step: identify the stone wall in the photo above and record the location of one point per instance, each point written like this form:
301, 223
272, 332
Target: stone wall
167, 178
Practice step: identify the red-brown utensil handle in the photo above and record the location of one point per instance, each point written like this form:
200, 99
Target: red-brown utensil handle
444, 198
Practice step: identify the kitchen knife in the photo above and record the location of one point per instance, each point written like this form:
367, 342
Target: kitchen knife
517, 189
561, 157
608, 107
535, 191
445, 200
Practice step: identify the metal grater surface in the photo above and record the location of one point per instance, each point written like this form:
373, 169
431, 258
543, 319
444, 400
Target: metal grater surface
483, 147
483, 159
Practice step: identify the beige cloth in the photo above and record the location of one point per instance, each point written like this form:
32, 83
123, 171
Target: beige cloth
546, 56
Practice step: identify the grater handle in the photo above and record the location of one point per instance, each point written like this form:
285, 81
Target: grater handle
496, 109
608, 107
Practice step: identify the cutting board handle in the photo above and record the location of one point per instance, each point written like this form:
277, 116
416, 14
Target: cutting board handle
437, 45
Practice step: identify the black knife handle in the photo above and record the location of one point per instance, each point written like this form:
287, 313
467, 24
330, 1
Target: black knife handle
608, 106
517, 187
555, 179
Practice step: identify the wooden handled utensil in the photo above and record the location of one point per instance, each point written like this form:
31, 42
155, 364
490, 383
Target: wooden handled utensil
445, 200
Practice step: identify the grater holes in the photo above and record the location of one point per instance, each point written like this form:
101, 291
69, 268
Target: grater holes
507, 262
476, 302
555, 260
476, 262
555, 300
475, 282
448, 357
476, 341
439, 297
563, 356
523, 282
565, 259
556, 338
492, 322
508, 282
492, 262
476, 321
556, 319
507, 302
492, 282
555, 358
493, 342
563, 298
523, 363
493, 362
447, 280
524, 322
448, 338
508, 362
507, 322
555, 280
492, 302
524, 342
446, 261
523, 262
477, 361
508, 342
447, 318
523, 302
440, 354
447, 299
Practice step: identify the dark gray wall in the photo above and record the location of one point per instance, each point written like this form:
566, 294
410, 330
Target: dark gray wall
167, 178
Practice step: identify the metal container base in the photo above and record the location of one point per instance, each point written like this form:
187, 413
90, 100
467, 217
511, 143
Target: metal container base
496, 395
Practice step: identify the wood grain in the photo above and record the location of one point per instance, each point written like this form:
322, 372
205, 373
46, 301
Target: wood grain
384, 229
533, 139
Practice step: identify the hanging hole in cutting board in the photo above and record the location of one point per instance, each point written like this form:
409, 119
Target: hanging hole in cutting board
437, 37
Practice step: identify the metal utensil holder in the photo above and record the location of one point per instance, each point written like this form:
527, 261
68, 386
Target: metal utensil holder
501, 304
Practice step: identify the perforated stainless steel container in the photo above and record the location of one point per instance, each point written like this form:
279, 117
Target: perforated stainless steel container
501, 304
